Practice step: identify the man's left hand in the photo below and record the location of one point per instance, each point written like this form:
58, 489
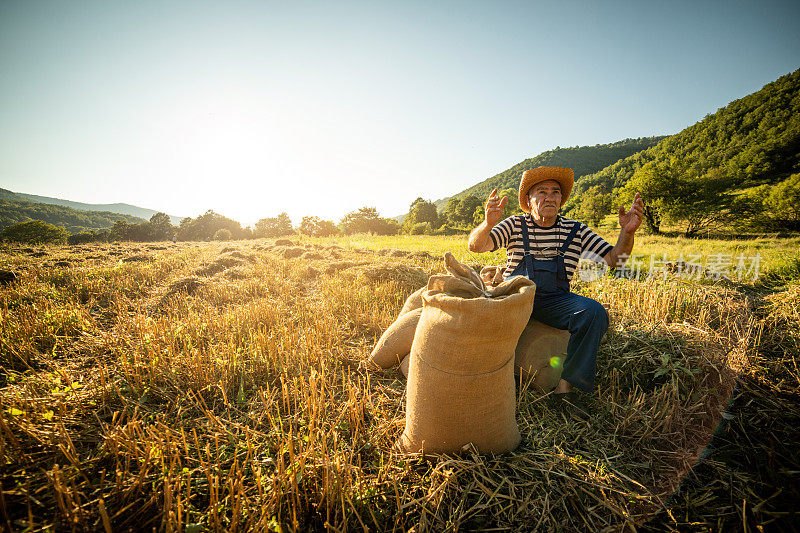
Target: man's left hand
629, 222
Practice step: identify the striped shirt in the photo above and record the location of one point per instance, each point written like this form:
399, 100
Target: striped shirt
545, 241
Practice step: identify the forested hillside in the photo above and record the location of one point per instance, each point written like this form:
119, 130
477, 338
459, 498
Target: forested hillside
582, 159
125, 209
74, 221
736, 168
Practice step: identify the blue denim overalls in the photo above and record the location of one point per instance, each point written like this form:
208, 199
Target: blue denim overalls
550, 275
554, 305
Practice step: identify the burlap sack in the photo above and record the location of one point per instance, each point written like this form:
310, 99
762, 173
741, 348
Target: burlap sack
413, 302
395, 343
461, 371
540, 353
404, 365
492, 274
462, 271
453, 286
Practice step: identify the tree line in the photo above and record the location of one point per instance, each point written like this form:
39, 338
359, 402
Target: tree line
206, 227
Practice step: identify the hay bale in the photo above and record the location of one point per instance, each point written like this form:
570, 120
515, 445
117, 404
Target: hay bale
219, 265
405, 275
333, 268
7, 277
309, 273
136, 258
461, 387
243, 256
311, 256
293, 252
235, 273
186, 285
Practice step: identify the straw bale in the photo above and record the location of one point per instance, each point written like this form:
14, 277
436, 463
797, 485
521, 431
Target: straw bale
403, 274
311, 256
309, 273
293, 252
219, 265
188, 285
136, 258
341, 265
241, 255
235, 273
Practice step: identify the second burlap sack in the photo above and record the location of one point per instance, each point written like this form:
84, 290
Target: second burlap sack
461, 386
540, 354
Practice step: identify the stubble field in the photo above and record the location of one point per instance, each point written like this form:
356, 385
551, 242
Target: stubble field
217, 386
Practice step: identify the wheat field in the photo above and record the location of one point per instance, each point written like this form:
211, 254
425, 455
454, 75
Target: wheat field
217, 387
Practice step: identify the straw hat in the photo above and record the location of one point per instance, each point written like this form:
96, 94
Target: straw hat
564, 176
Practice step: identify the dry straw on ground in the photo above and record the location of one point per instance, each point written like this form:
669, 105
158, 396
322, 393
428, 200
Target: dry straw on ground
237, 403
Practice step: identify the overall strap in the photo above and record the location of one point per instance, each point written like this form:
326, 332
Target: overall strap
571, 236
526, 248
562, 269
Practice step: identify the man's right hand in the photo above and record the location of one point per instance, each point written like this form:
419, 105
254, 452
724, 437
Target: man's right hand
493, 212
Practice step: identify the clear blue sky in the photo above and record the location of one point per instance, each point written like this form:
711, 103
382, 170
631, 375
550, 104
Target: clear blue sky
319, 108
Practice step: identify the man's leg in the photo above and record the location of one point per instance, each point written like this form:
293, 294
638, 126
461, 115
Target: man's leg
587, 322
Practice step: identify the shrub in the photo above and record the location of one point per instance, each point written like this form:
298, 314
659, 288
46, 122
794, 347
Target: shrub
447, 229
223, 235
421, 228
35, 232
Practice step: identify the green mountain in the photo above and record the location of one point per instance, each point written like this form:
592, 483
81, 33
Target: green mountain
731, 168
582, 159
14, 210
125, 209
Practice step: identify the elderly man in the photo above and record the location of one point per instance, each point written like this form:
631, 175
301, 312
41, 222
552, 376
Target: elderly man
545, 247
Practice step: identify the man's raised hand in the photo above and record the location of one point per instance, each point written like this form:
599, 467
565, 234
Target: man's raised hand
494, 208
630, 221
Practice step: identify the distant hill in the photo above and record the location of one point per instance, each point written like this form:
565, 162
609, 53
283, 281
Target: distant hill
582, 159
13, 210
125, 209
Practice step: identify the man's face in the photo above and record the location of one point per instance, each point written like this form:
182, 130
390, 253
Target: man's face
545, 198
